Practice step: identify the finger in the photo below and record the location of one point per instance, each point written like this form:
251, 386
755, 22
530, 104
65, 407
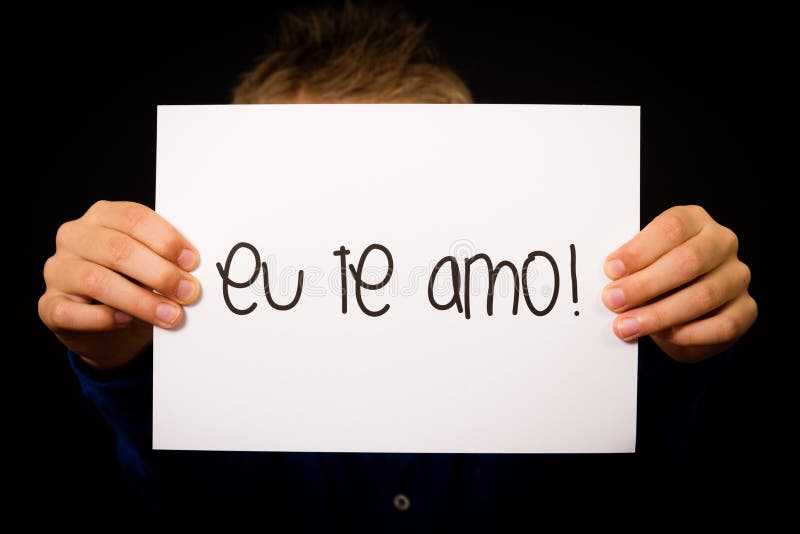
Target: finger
729, 324
692, 259
145, 225
673, 227
703, 296
60, 312
122, 253
83, 278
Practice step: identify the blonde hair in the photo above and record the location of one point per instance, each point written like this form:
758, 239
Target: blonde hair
358, 53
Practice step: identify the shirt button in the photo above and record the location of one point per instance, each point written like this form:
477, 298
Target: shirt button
401, 502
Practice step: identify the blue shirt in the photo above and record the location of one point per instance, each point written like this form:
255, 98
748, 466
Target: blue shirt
396, 492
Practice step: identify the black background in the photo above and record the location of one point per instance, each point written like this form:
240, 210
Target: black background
84, 86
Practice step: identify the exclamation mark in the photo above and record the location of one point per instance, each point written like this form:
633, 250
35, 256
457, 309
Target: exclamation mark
574, 277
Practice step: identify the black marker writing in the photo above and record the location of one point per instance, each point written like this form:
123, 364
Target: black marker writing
224, 272
531, 257
572, 270
456, 274
493, 272
358, 276
282, 307
462, 304
342, 253
226, 281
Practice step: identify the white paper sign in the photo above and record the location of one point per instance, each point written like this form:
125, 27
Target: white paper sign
538, 187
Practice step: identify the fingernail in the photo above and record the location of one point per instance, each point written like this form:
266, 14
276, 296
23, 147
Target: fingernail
615, 298
167, 313
185, 290
122, 317
187, 259
628, 327
615, 269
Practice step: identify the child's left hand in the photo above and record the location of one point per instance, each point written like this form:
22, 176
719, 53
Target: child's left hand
680, 281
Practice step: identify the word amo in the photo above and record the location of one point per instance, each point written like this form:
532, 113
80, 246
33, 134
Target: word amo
462, 304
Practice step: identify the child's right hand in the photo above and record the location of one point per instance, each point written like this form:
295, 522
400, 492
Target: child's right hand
99, 299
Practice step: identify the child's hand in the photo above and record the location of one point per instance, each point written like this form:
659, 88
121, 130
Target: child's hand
99, 299
679, 281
